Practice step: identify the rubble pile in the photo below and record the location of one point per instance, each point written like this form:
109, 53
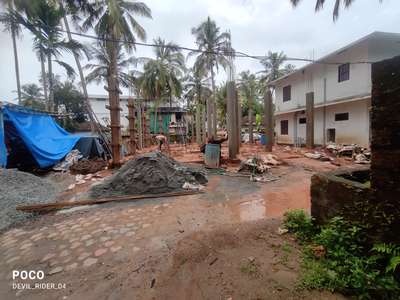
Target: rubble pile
258, 164
150, 173
86, 166
353, 152
359, 154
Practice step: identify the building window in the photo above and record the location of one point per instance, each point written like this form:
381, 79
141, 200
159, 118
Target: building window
287, 91
302, 121
344, 72
284, 127
342, 117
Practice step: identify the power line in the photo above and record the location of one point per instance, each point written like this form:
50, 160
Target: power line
237, 54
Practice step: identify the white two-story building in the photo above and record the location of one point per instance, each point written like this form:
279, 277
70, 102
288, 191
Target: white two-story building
341, 84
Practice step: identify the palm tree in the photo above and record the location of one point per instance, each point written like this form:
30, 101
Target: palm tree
99, 71
161, 75
44, 23
114, 21
196, 88
320, 3
248, 86
31, 96
214, 47
14, 29
170, 55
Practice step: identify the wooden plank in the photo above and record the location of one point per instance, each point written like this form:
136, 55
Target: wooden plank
45, 207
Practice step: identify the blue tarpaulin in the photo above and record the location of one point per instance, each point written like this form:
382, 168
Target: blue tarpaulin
46, 141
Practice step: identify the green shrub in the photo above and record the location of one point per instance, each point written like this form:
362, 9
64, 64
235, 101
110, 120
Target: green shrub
349, 264
299, 223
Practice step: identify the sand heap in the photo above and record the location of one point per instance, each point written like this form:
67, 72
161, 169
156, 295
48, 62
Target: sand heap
149, 173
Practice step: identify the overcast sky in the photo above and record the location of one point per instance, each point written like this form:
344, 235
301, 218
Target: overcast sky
256, 27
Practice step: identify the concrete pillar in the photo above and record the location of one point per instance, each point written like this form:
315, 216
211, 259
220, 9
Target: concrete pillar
140, 125
269, 120
231, 116
385, 146
310, 120
203, 124
239, 121
132, 133
198, 122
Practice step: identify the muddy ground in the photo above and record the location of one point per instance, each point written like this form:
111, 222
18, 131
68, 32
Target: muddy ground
222, 244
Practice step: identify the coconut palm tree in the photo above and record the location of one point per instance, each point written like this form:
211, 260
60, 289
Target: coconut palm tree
114, 22
161, 75
215, 46
44, 23
320, 3
248, 88
170, 55
14, 30
31, 96
196, 88
99, 71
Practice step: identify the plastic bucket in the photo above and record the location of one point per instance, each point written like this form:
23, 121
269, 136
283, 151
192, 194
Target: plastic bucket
212, 155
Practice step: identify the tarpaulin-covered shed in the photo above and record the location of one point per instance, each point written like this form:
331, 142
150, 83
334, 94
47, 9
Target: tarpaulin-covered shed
31, 138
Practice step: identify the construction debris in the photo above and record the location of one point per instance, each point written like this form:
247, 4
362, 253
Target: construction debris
88, 166
354, 152
149, 173
258, 165
71, 158
361, 159
318, 156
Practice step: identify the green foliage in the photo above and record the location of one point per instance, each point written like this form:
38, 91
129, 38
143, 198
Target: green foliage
350, 264
299, 223
390, 252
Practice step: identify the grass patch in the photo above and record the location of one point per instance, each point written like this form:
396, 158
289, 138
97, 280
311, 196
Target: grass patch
338, 257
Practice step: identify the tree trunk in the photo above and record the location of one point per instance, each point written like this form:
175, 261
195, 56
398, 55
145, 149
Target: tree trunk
16, 64
51, 106
114, 107
43, 71
250, 103
213, 105
82, 77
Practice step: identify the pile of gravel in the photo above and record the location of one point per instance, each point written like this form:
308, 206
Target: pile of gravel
20, 188
150, 173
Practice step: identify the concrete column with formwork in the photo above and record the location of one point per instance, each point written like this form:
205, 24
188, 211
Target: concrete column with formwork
269, 120
203, 124
148, 126
197, 122
140, 126
310, 120
239, 121
115, 125
231, 117
132, 130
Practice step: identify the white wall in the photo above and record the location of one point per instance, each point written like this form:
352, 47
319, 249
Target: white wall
355, 130
99, 108
312, 79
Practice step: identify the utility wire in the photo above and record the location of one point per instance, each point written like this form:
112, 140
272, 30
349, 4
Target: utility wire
237, 54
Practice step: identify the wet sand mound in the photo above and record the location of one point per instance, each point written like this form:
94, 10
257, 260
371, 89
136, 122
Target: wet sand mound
149, 173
